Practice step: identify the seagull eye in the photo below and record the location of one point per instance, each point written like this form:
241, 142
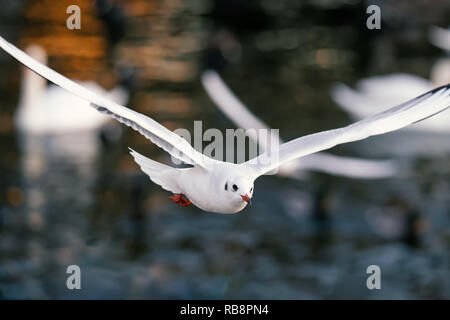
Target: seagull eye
226, 186
235, 187
251, 189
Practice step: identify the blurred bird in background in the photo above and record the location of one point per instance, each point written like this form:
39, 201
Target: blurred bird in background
49, 109
237, 112
440, 37
389, 90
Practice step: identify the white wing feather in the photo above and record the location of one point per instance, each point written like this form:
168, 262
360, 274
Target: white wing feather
234, 109
158, 134
410, 112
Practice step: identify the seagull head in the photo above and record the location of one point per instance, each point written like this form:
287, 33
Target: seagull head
239, 190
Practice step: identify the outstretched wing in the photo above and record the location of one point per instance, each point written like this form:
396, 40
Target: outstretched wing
234, 109
412, 111
158, 134
370, 93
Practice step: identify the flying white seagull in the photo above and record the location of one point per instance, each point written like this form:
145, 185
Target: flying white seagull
234, 109
224, 187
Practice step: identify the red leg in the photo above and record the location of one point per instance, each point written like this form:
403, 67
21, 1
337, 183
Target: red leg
180, 200
185, 202
176, 198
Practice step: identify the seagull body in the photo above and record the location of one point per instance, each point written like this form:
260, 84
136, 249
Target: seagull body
222, 187
210, 190
234, 109
52, 110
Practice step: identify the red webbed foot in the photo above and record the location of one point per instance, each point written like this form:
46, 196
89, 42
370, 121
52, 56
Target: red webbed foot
180, 200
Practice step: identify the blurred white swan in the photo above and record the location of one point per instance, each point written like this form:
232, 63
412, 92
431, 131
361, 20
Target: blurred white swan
58, 130
440, 37
372, 94
49, 109
351, 167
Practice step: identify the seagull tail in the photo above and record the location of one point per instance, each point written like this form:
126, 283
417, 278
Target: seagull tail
159, 173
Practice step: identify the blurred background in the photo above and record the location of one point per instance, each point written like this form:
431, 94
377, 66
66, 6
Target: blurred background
78, 198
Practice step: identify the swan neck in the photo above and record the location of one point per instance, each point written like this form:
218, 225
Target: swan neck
32, 88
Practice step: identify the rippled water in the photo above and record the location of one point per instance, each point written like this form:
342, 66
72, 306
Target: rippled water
74, 200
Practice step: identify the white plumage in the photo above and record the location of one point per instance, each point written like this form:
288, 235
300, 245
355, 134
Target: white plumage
234, 109
223, 187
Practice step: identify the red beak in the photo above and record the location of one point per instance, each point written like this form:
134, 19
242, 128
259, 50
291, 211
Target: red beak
247, 199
